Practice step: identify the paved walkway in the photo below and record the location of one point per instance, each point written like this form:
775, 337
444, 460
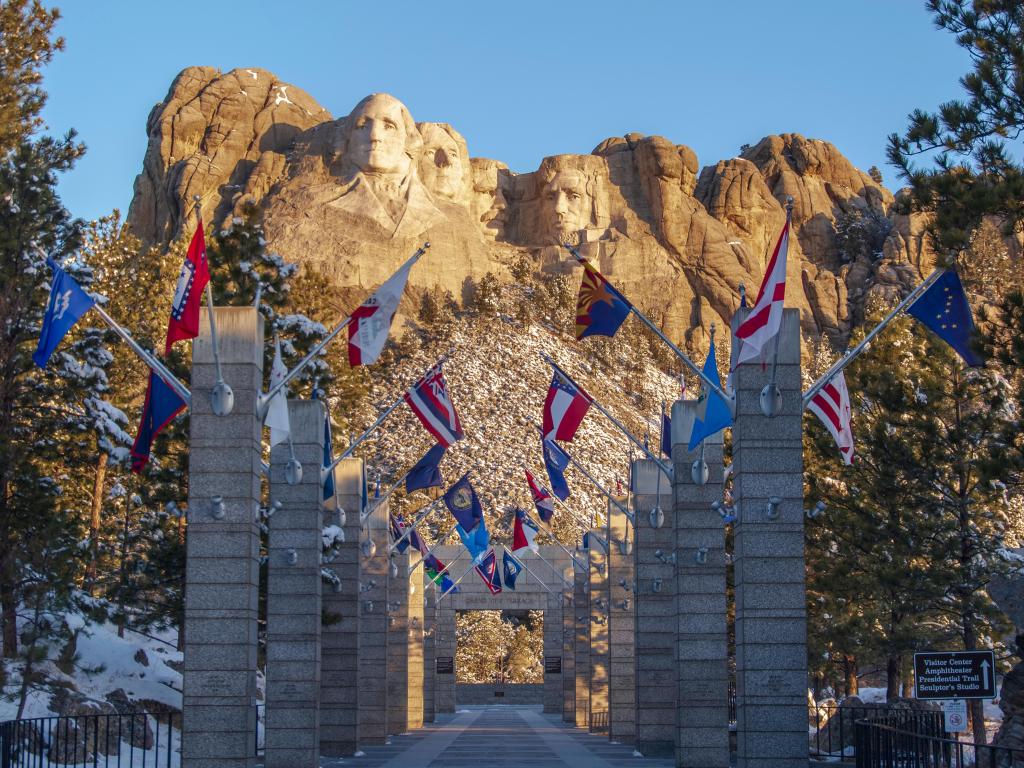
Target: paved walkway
498, 736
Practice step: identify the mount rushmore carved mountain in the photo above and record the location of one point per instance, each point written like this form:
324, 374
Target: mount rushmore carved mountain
353, 197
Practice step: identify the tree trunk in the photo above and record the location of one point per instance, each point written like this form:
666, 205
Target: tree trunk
907, 682
94, 522
850, 675
124, 575
892, 678
9, 603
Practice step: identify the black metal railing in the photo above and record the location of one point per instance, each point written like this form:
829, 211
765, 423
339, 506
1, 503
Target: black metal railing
599, 722
130, 740
887, 742
833, 726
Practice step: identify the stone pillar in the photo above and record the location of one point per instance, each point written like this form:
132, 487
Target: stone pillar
293, 595
655, 613
702, 739
581, 644
429, 649
599, 656
569, 646
553, 662
771, 621
405, 649
444, 658
621, 629
373, 629
223, 549
339, 655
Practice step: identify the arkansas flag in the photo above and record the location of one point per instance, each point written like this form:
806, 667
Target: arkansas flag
564, 409
541, 498
488, 570
765, 319
832, 406
433, 406
371, 322
524, 533
188, 295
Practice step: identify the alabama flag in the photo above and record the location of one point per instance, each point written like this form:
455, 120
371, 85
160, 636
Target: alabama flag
765, 319
431, 402
188, 294
832, 406
524, 533
564, 409
371, 322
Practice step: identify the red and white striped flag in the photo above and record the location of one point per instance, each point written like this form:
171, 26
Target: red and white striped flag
832, 406
371, 321
765, 319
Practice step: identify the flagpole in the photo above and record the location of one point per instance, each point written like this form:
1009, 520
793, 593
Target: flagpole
264, 399
440, 541
355, 444
717, 388
409, 529
554, 570
852, 354
386, 496
458, 580
607, 415
148, 358
530, 571
221, 397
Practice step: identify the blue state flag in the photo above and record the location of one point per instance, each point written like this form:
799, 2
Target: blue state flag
511, 569
943, 308
556, 460
463, 503
68, 302
427, 472
476, 541
162, 404
666, 434
328, 448
713, 414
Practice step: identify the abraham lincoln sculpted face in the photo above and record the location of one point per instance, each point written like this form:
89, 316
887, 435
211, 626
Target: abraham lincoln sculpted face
567, 206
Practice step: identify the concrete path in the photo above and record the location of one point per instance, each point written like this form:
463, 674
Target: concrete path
498, 736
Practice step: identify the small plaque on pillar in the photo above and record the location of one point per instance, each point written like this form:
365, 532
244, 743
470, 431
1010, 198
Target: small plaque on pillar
553, 665
445, 665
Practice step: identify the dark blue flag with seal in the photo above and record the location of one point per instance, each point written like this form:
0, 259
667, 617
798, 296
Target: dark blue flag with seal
943, 308
463, 503
427, 471
511, 569
556, 460
68, 302
161, 406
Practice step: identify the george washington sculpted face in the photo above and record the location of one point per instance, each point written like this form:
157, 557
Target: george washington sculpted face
377, 142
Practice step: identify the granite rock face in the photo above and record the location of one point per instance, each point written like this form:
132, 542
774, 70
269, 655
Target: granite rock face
353, 197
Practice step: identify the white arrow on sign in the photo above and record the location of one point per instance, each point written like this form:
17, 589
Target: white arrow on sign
984, 674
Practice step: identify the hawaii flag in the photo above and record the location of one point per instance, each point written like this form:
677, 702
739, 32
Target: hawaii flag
188, 295
431, 402
524, 533
564, 409
765, 319
832, 406
371, 322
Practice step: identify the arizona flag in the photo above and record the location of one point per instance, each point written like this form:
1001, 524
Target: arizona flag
371, 322
541, 498
488, 570
161, 406
765, 319
564, 409
188, 295
832, 406
600, 309
431, 402
524, 533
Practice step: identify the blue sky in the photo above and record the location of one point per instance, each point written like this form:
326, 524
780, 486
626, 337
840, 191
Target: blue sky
520, 80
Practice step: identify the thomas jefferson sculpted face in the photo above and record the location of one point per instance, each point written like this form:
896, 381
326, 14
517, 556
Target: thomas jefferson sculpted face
379, 135
567, 206
441, 166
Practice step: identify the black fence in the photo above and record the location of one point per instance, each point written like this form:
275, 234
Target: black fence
833, 729
132, 740
599, 722
891, 742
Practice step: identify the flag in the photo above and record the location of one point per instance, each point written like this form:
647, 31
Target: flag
397, 531
188, 294
943, 308
328, 448
463, 503
666, 434
713, 414
541, 499
600, 308
832, 405
68, 302
277, 410
417, 542
476, 541
555, 462
564, 409
371, 322
437, 572
161, 405
430, 401
427, 472
765, 319
512, 569
488, 570
524, 532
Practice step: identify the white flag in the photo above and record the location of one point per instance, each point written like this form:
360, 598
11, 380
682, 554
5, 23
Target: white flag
371, 322
832, 406
765, 319
277, 412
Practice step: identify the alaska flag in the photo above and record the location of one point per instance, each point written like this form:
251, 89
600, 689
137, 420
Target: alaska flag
436, 572
162, 404
427, 472
944, 309
713, 413
475, 541
555, 462
511, 570
488, 570
600, 309
68, 302
666, 434
463, 503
